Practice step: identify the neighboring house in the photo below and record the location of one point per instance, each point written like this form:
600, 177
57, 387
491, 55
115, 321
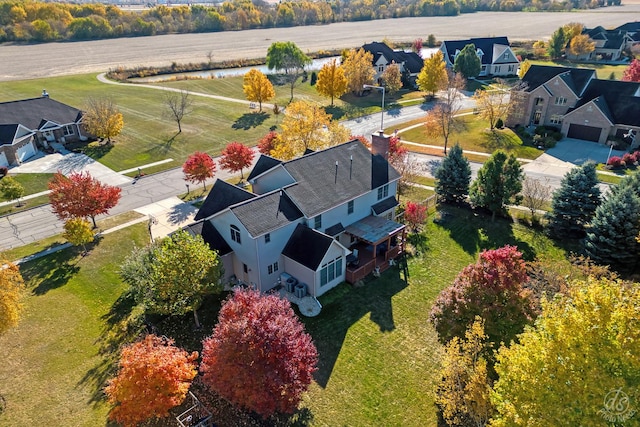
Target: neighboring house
496, 57
609, 44
28, 124
324, 218
410, 63
578, 103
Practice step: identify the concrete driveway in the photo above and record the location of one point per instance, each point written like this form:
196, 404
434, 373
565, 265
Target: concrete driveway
68, 162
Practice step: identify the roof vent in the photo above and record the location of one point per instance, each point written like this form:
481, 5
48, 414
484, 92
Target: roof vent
45, 94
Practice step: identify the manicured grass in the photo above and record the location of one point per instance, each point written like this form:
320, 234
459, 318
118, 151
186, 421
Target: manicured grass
603, 71
475, 136
149, 135
55, 362
379, 356
33, 248
24, 205
31, 182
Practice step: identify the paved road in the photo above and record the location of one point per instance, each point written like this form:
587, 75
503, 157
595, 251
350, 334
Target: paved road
18, 62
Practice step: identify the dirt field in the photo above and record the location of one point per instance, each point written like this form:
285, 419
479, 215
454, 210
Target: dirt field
19, 62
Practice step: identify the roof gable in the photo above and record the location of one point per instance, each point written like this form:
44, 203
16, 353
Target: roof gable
221, 196
485, 44
622, 99
263, 164
575, 78
307, 246
411, 61
266, 213
210, 235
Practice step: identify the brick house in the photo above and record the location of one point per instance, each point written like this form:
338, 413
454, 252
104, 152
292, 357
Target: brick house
496, 57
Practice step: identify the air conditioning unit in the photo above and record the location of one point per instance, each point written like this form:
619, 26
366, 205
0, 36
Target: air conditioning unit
301, 290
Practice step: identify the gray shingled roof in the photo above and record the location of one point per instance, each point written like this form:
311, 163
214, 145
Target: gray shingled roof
320, 185
384, 205
538, 75
33, 113
210, 235
623, 105
7, 133
266, 213
221, 196
485, 44
412, 61
263, 164
307, 246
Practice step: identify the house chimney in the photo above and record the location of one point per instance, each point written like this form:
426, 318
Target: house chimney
350, 166
45, 94
336, 178
380, 144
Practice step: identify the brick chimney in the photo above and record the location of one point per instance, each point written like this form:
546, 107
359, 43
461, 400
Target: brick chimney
380, 144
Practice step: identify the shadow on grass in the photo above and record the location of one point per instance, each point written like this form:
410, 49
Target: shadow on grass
336, 112
496, 138
52, 271
474, 231
250, 120
95, 149
344, 306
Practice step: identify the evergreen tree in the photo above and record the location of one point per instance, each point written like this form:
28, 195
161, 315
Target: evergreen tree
499, 182
453, 177
556, 44
575, 202
612, 238
467, 62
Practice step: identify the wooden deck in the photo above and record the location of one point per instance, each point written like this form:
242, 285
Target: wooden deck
367, 263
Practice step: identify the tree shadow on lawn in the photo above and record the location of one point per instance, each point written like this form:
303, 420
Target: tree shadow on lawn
343, 307
250, 120
93, 149
335, 112
496, 139
51, 271
474, 231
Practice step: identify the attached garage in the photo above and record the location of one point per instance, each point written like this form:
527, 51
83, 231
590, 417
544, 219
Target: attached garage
3, 159
587, 133
26, 151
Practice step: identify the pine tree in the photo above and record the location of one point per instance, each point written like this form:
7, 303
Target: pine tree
556, 44
467, 62
612, 238
453, 177
575, 202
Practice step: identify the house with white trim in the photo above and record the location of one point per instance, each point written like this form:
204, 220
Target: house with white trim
495, 54
29, 124
410, 63
578, 103
319, 220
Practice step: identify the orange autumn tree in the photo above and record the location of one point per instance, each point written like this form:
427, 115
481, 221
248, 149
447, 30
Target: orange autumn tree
153, 377
199, 167
235, 157
80, 196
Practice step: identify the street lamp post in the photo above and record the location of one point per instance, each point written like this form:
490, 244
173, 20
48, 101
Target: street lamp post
381, 112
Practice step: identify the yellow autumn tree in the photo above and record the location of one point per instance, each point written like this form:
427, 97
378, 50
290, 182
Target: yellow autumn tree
464, 393
11, 291
78, 232
433, 77
492, 106
358, 69
257, 87
524, 67
332, 82
392, 78
102, 118
581, 45
306, 126
579, 364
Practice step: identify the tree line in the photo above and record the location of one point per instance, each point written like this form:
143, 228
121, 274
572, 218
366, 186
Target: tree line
26, 21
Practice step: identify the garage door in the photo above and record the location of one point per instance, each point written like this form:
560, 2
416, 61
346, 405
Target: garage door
588, 133
3, 159
25, 152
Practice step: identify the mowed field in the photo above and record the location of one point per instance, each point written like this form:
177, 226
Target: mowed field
19, 62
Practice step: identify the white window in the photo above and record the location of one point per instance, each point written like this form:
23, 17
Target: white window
383, 192
380, 68
68, 130
317, 222
555, 119
235, 234
497, 70
506, 55
350, 207
330, 271
561, 100
267, 237
512, 68
272, 268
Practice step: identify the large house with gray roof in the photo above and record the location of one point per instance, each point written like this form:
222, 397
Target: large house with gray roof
609, 45
26, 125
578, 103
321, 219
496, 57
410, 63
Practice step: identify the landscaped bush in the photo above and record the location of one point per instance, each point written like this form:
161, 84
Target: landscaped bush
499, 124
628, 159
615, 162
3, 171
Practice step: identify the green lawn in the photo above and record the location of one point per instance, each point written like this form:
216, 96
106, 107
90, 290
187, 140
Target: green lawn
603, 71
474, 136
32, 182
148, 134
379, 357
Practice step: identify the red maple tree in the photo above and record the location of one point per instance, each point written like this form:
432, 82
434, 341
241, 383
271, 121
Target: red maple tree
259, 356
199, 167
632, 73
154, 376
267, 143
397, 152
80, 196
415, 214
492, 288
235, 157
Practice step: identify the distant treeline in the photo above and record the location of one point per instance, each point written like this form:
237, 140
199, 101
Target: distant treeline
29, 21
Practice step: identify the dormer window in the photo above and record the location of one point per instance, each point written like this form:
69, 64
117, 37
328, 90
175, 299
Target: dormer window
506, 55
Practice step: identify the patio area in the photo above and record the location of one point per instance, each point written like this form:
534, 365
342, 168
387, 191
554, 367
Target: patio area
308, 305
